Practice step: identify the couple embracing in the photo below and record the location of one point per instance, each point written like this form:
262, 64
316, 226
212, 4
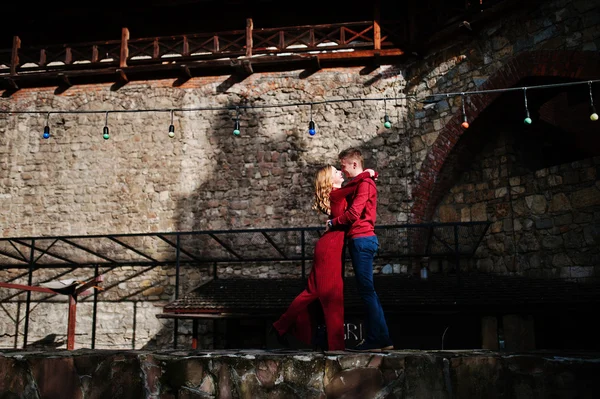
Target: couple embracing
352, 211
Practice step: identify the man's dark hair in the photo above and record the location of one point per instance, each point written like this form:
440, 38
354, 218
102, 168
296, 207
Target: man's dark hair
354, 154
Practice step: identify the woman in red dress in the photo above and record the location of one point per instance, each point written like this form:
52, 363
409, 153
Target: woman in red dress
325, 278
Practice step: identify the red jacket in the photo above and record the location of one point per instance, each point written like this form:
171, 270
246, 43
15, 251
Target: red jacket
362, 209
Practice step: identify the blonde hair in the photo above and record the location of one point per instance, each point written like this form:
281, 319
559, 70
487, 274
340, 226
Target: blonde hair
323, 187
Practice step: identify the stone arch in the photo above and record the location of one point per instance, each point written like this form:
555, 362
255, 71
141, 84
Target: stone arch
543, 63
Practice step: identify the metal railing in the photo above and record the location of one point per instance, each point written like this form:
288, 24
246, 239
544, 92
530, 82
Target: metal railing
149, 250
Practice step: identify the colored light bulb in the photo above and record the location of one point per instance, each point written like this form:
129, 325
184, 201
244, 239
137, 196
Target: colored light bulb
465, 123
311, 128
46, 134
527, 121
236, 128
105, 134
386, 122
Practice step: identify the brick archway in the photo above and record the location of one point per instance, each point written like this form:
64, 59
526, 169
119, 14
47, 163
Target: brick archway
570, 64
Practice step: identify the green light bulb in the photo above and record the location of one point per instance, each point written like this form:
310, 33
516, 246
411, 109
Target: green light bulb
386, 122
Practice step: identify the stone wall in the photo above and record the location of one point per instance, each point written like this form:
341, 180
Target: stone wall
259, 374
545, 223
140, 180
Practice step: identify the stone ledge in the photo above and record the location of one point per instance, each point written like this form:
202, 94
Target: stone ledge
297, 374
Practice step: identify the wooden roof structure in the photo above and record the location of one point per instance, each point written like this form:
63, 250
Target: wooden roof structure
392, 32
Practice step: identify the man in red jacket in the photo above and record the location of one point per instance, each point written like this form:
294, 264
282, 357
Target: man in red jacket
363, 244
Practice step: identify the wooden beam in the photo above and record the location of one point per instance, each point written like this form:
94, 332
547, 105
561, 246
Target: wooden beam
361, 54
65, 79
11, 83
186, 71
122, 76
247, 67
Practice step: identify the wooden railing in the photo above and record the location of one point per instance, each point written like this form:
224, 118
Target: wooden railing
243, 47
203, 46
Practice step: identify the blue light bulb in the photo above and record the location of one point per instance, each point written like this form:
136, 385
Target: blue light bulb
311, 128
46, 134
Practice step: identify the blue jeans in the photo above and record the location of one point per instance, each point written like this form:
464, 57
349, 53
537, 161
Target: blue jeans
362, 252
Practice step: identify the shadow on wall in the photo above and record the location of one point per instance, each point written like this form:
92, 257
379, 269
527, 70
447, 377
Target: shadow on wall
263, 178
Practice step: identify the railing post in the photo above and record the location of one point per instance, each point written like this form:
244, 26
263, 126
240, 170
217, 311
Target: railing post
186, 47
156, 49
95, 310
249, 43
29, 282
68, 56
376, 28
176, 321
42, 62
177, 264
124, 48
14, 58
95, 53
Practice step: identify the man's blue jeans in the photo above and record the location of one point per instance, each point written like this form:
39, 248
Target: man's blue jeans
362, 252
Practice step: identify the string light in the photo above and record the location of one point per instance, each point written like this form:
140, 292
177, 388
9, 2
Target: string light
527, 119
594, 114
236, 124
465, 123
105, 134
171, 127
387, 123
311, 125
46, 134
386, 119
